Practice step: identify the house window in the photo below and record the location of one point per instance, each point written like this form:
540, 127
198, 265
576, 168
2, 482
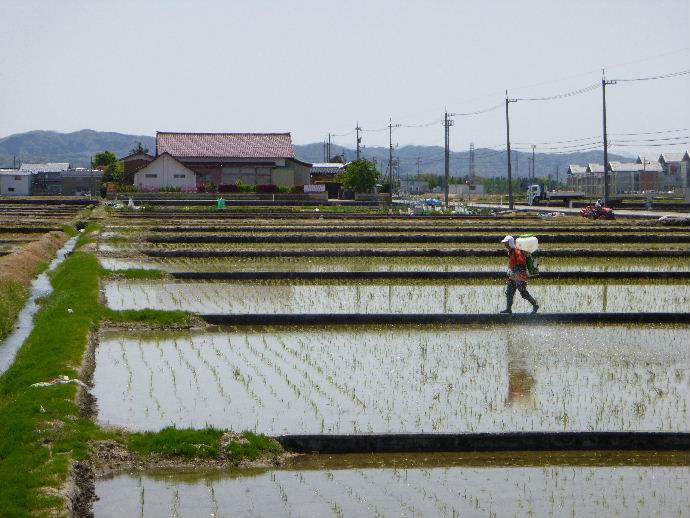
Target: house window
179, 176
151, 176
10, 189
17, 178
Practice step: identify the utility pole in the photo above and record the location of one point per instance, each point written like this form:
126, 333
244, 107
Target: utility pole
419, 159
517, 165
359, 139
447, 123
471, 174
511, 205
534, 169
390, 161
324, 151
604, 82
329, 148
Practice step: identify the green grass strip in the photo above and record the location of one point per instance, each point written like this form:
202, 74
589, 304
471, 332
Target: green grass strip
173, 442
203, 444
40, 428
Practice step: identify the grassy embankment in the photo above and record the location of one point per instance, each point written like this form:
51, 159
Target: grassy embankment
18, 269
41, 429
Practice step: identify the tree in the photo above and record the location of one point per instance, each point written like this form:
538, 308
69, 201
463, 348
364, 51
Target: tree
361, 175
104, 159
114, 172
139, 148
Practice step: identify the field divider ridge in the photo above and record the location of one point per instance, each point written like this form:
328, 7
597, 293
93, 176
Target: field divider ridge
422, 275
314, 319
485, 442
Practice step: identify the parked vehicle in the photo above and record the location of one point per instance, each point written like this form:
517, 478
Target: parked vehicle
537, 193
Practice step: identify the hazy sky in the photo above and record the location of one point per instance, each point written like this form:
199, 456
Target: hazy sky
314, 66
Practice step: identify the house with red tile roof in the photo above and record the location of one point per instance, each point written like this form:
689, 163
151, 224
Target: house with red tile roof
216, 159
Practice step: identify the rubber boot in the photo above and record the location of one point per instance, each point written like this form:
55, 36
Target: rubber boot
535, 306
509, 302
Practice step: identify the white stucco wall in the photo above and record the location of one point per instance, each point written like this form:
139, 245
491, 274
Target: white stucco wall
15, 185
165, 171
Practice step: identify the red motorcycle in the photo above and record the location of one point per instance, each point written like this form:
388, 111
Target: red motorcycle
597, 212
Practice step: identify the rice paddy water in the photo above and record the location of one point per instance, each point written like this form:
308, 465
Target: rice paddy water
392, 379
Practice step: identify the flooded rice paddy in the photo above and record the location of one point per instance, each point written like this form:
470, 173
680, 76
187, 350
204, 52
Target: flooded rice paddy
393, 379
445, 486
374, 264
249, 298
404, 379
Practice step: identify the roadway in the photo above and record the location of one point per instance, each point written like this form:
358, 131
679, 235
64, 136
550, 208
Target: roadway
623, 213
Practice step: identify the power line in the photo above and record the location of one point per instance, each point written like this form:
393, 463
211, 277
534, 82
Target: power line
342, 134
425, 125
653, 145
651, 132
575, 146
653, 139
594, 137
652, 78
589, 88
478, 112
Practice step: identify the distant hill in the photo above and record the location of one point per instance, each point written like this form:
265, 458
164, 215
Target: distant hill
78, 148
488, 162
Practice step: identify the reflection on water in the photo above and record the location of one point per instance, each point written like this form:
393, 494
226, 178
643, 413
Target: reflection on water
239, 298
399, 379
449, 488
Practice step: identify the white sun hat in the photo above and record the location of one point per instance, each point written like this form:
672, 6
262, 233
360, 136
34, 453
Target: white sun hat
510, 240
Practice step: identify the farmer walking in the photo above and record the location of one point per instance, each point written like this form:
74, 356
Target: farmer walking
517, 276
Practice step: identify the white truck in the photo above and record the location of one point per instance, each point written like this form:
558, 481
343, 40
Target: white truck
537, 193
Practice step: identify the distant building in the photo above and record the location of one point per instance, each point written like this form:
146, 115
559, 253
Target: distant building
413, 187
14, 182
633, 177
47, 179
132, 163
464, 189
81, 182
676, 170
218, 159
668, 172
326, 171
165, 171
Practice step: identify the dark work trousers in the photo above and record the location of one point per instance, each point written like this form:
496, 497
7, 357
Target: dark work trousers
520, 286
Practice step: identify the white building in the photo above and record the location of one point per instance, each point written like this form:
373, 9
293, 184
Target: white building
413, 187
165, 172
464, 189
15, 182
676, 171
